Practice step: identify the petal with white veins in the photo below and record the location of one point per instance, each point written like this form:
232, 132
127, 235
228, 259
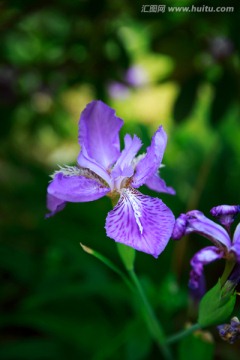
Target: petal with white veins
141, 222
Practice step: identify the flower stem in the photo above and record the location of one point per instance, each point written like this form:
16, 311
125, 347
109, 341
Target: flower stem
227, 271
153, 324
182, 334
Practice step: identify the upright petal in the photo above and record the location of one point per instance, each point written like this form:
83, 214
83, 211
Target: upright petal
236, 243
123, 166
150, 163
140, 221
85, 161
197, 222
201, 258
155, 183
73, 189
98, 132
225, 214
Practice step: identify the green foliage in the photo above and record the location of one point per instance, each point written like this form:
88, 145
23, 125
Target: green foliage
216, 306
127, 254
196, 346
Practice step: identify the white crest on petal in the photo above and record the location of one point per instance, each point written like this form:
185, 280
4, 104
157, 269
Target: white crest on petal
67, 170
135, 205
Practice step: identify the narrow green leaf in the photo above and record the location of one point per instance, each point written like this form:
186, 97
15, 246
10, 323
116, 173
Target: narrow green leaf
127, 254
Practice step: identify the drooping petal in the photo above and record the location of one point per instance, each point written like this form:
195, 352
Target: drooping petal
140, 221
197, 293
75, 188
150, 163
197, 222
236, 243
98, 132
157, 184
85, 161
54, 205
123, 166
225, 213
180, 226
201, 258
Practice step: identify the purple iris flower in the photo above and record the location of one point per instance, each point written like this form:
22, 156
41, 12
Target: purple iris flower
230, 332
195, 221
137, 220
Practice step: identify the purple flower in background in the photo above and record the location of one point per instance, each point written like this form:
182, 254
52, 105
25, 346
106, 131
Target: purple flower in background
118, 90
195, 221
137, 220
230, 332
136, 76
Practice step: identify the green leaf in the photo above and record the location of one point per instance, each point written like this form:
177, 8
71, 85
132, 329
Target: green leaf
216, 306
127, 254
196, 346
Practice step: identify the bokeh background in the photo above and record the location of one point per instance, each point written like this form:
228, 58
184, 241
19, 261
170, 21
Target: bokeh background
181, 70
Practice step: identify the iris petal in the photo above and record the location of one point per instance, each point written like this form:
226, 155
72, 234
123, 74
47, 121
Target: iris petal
201, 258
140, 221
157, 184
123, 166
54, 205
151, 162
86, 162
74, 188
99, 133
236, 243
197, 222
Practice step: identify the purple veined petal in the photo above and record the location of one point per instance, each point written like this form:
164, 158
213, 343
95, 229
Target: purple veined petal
86, 162
123, 165
141, 222
54, 205
225, 213
99, 133
76, 188
197, 222
157, 184
151, 162
236, 243
201, 258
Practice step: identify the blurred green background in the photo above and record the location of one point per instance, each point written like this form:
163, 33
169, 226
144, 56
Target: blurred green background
56, 56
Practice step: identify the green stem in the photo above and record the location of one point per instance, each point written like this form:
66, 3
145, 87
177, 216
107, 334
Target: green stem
227, 271
182, 334
153, 324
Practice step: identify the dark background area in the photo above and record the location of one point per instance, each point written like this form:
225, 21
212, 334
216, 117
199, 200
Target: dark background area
56, 56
